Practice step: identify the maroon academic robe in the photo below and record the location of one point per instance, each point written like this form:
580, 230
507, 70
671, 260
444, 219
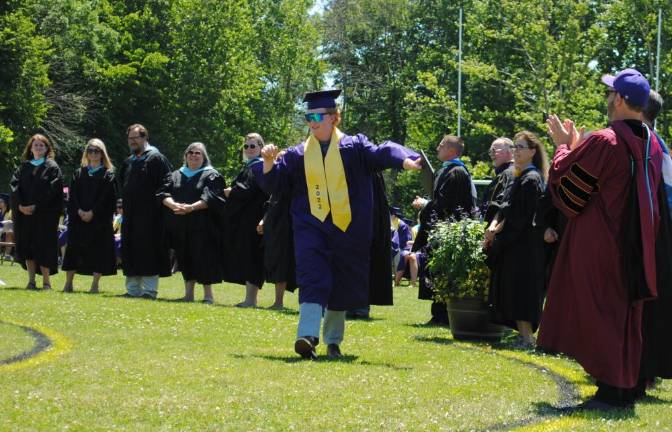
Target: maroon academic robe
590, 314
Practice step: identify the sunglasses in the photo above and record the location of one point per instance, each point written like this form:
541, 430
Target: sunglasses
194, 152
521, 146
249, 146
93, 150
315, 117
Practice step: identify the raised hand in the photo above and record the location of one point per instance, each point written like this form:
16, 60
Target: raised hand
559, 132
268, 153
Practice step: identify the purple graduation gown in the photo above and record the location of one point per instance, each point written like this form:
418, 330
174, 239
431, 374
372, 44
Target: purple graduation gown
332, 266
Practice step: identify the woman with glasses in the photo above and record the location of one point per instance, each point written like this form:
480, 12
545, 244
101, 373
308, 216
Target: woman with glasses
330, 180
514, 244
192, 194
37, 204
92, 200
244, 256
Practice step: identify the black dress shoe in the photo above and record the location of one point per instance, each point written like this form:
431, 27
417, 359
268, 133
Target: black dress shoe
148, 296
334, 351
594, 404
305, 347
127, 295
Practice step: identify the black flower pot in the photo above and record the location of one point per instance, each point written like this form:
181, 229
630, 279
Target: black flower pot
469, 320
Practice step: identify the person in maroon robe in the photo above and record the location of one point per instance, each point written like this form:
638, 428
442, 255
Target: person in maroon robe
606, 185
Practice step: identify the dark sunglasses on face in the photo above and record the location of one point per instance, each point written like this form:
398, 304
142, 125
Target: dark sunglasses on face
521, 146
92, 150
249, 146
315, 117
194, 152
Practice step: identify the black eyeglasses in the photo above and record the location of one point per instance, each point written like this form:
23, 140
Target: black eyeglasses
521, 146
92, 150
249, 146
194, 152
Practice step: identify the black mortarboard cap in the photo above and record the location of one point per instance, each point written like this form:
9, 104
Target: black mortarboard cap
396, 211
322, 99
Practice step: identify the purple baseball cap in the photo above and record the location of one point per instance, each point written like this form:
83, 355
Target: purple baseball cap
630, 84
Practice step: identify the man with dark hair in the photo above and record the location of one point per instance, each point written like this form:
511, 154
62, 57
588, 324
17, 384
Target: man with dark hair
657, 314
454, 196
606, 262
144, 250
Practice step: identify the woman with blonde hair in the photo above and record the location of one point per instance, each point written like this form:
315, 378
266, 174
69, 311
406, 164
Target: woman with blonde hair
91, 207
37, 203
514, 244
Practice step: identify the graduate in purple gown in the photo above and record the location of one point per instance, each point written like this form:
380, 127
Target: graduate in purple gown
330, 179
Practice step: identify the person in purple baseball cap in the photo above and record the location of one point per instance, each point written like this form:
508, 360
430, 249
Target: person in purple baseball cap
606, 263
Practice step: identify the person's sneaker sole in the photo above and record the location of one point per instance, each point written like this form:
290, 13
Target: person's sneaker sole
305, 349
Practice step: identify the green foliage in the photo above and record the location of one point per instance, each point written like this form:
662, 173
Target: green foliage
23, 83
457, 261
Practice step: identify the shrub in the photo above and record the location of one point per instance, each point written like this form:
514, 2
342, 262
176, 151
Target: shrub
457, 262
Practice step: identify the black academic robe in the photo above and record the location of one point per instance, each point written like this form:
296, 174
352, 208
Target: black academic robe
278, 241
36, 236
380, 280
515, 256
196, 237
497, 189
91, 244
243, 251
549, 216
144, 249
452, 199
657, 314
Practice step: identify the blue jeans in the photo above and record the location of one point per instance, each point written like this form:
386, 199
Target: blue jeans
310, 317
139, 285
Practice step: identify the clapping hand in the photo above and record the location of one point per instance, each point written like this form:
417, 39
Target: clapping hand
564, 132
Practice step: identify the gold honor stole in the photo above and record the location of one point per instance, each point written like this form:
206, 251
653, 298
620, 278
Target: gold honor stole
325, 179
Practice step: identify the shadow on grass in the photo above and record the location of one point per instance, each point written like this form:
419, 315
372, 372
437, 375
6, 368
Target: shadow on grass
435, 339
347, 358
546, 410
427, 326
653, 400
369, 319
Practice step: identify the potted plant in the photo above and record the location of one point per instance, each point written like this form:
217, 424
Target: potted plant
461, 278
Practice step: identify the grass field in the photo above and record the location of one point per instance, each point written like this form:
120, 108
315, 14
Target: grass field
128, 364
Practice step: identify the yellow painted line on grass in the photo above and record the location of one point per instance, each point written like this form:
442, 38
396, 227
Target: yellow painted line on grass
577, 378
59, 346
